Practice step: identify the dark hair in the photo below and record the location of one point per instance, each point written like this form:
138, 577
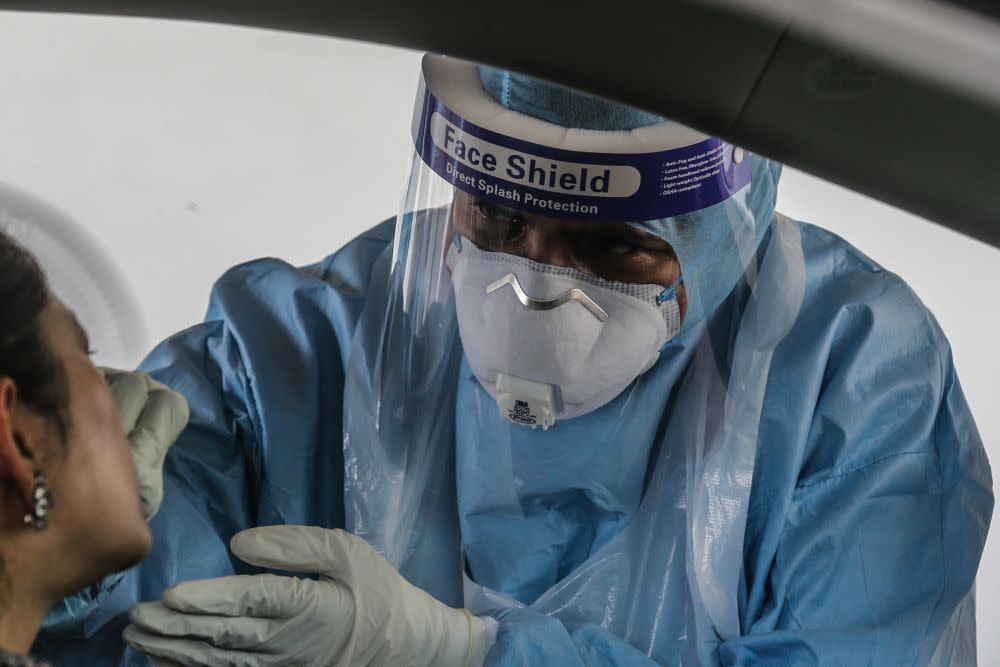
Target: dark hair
25, 355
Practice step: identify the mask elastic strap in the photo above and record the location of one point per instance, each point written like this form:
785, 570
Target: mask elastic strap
670, 293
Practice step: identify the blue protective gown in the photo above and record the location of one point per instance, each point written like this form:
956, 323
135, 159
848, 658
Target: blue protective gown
868, 512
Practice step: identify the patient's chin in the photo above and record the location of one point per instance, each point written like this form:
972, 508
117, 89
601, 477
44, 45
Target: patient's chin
127, 549
139, 545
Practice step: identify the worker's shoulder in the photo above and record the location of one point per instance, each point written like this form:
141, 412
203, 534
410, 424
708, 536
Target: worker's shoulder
866, 361
359, 253
345, 271
856, 297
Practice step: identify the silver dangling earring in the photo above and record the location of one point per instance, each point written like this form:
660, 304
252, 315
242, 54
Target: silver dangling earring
39, 516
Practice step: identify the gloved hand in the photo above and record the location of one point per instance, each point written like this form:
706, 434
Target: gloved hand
152, 415
359, 612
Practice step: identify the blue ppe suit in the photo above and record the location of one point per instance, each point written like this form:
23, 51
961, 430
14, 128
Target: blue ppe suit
868, 512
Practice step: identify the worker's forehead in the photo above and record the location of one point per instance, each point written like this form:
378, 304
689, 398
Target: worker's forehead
470, 206
485, 214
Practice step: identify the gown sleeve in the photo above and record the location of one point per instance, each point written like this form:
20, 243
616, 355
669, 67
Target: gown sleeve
264, 378
870, 556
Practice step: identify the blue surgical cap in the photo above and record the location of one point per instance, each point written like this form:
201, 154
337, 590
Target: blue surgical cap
560, 105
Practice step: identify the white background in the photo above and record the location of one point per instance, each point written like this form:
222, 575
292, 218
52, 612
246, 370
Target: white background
184, 149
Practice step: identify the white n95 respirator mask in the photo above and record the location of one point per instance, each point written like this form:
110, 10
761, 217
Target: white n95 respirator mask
551, 342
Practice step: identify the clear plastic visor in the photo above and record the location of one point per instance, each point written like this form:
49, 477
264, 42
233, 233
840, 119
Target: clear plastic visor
659, 206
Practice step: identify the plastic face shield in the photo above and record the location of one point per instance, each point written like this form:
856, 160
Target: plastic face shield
550, 234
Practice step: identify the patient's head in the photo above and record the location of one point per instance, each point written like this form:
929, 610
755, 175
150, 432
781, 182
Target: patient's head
57, 419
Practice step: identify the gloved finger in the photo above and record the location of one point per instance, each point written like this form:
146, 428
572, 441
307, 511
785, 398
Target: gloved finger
242, 632
258, 596
189, 652
150, 495
130, 393
163, 417
304, 549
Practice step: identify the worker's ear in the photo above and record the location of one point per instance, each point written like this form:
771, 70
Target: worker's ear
20, 437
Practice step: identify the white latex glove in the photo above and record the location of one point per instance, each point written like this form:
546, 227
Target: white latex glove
152, 415
359, 612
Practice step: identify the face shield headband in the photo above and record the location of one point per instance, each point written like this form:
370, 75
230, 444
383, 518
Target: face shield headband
647, 174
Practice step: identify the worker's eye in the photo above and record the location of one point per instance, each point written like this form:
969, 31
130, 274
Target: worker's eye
497, 227
512, 230
486, 208
494, 212
623, 248
618, 245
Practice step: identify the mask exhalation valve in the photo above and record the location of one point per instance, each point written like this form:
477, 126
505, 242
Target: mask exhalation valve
525, 402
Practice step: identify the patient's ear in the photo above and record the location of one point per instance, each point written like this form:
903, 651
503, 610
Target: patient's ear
19, 435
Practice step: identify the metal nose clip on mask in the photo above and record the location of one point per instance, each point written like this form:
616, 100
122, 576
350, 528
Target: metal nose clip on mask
575, 294
551, 342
